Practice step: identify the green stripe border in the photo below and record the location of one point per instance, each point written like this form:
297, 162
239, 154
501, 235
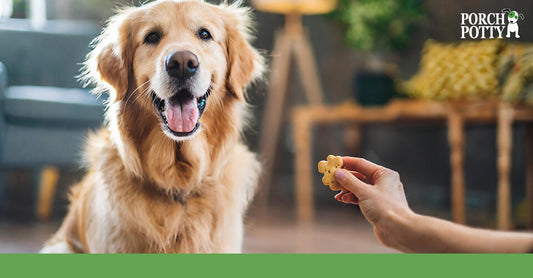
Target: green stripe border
267, 265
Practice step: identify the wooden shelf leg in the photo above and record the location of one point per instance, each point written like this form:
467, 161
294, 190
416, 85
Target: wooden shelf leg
529, 176
456, 141
47, 189
302, 165
505, 129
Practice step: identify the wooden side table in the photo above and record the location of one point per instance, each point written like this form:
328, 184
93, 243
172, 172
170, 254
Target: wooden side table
455, 115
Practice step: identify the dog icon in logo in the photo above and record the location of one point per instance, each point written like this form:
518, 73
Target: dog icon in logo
512, 27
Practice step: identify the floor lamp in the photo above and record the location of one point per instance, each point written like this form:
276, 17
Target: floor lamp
290, 42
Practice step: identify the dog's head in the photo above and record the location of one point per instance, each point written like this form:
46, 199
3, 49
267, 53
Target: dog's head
512, 16
171, 61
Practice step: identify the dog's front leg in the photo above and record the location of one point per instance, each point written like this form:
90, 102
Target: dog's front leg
241, 175
61, 247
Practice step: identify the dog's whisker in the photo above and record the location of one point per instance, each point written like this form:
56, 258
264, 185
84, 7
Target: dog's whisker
134, 91
137, 89
140, 87
141, 95
145, 95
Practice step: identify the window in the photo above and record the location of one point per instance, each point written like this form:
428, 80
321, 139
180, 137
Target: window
6, 9
35, 10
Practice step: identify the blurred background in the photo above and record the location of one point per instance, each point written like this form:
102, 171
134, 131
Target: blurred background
364, 59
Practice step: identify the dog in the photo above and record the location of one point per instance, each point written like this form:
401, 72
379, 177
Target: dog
169, 172
512, 27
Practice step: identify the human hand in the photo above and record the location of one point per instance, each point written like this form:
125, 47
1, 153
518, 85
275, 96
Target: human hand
379, 193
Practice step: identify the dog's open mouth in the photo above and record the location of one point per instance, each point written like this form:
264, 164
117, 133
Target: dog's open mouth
182, 112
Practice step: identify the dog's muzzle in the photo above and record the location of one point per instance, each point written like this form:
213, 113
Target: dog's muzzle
181, 112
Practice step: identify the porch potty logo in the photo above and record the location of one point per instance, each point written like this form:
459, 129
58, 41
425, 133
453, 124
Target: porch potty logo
490, 25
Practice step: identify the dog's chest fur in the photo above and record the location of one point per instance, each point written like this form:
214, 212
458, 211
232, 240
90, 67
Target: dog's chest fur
200, 222
175, 227
114, 212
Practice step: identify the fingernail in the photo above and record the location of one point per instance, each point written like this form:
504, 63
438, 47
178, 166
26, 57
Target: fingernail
348, 198
339, 174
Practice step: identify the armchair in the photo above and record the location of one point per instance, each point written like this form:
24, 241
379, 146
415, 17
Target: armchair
44, 114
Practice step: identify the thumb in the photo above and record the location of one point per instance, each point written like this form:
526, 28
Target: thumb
351, 183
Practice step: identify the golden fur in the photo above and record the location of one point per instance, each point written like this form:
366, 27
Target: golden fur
145, 192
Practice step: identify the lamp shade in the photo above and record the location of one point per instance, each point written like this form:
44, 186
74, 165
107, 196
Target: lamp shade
307, 7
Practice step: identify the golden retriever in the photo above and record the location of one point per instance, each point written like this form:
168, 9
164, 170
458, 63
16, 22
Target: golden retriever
169, 172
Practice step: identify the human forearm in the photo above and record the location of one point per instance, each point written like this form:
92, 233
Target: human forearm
379, 193
417, 233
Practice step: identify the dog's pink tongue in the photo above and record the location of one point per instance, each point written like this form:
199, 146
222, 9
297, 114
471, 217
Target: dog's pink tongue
182, 116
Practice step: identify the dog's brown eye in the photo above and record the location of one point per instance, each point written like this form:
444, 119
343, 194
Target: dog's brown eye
204, 34
152, 38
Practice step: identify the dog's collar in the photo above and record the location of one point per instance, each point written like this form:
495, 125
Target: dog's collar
177, 196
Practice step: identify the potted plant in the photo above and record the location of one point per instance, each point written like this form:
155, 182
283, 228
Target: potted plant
379, 27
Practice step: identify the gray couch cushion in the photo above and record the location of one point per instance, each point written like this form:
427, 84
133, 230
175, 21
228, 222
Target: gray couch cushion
35, 105
43, 58
40, 145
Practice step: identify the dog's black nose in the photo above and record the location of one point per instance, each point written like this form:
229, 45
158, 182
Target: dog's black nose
181, 64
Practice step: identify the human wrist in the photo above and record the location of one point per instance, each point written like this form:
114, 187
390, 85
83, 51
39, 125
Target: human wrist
398, 227
402, 218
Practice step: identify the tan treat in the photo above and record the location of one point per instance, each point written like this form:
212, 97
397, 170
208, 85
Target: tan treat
328, 168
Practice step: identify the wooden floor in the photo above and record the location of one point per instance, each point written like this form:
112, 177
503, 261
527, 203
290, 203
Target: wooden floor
335, 231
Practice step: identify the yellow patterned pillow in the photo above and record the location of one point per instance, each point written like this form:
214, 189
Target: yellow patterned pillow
456, 71
515, 69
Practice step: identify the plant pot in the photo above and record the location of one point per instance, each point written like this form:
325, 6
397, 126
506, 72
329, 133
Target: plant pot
373, 88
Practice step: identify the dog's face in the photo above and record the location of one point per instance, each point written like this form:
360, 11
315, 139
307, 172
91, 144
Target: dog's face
175, 60
181, 53
512, 17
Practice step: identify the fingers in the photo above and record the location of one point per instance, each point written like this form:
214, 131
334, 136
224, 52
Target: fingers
359, 176
350, 198
360, 165
372, 171
338, 197
347, 197
351, 183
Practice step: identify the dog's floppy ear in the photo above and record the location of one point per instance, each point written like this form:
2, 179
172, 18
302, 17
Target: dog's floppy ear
245, 64
108, 65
